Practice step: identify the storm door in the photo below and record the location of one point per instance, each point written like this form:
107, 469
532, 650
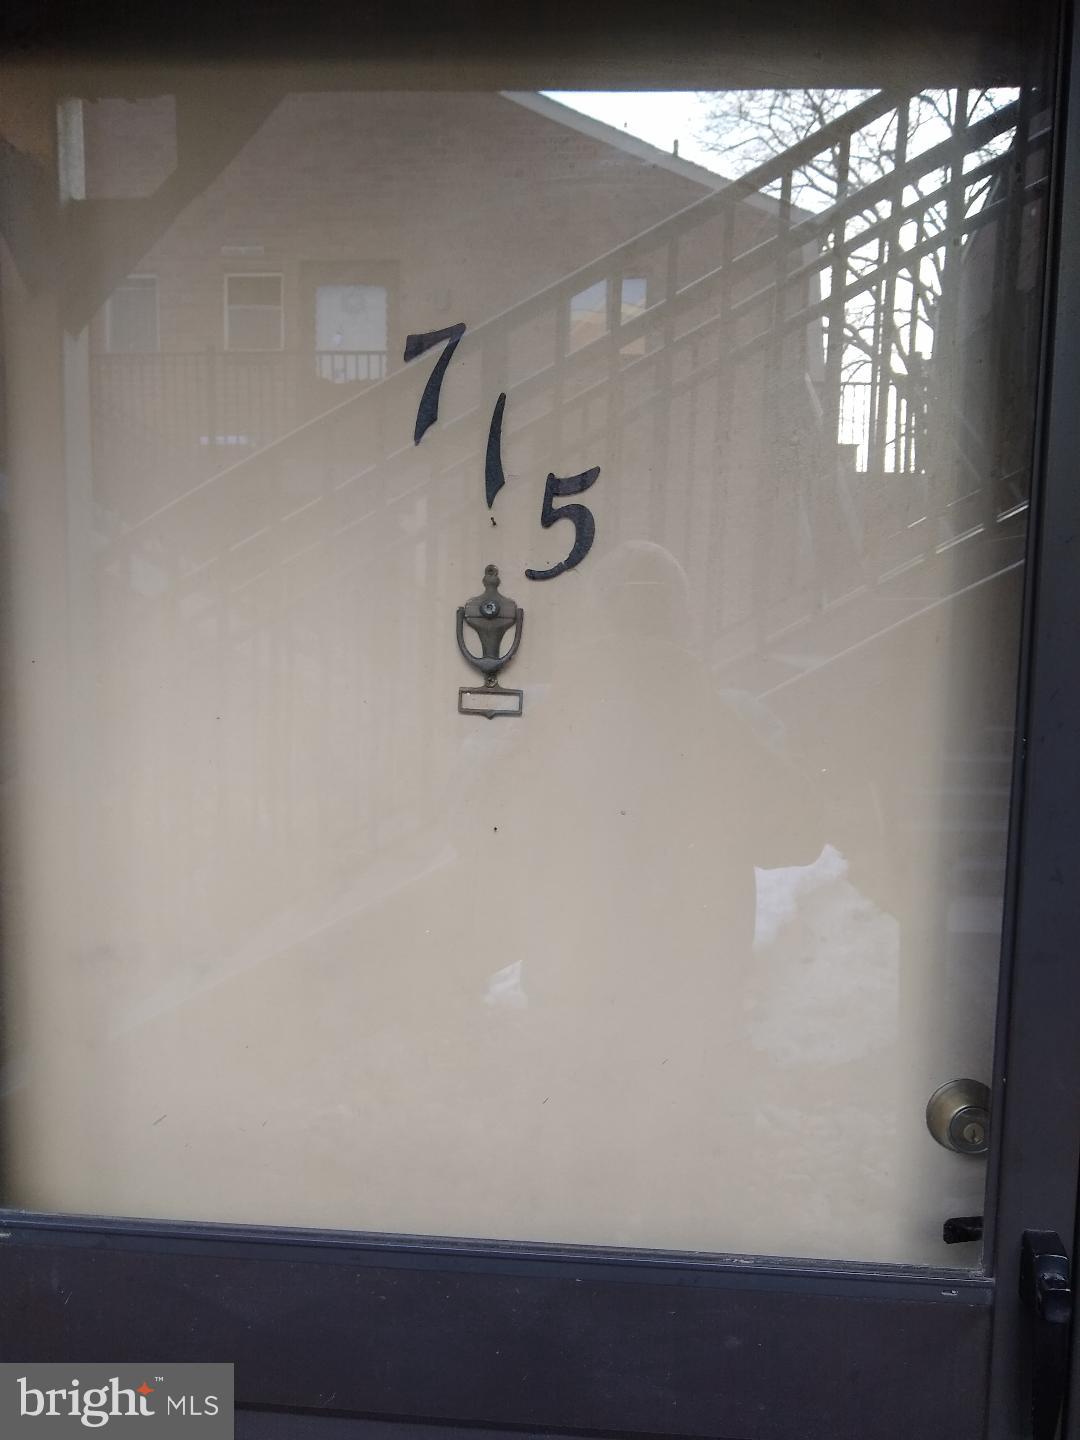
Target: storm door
512, 728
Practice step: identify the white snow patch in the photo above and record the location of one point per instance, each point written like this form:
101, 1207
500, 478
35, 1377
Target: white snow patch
825, 988
505, 988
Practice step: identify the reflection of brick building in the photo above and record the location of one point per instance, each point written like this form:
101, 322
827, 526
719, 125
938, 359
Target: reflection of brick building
346, 221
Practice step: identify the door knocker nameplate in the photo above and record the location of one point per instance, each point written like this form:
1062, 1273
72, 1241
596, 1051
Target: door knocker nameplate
490, 615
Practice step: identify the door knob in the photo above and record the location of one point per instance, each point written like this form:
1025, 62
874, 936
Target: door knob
958, 1116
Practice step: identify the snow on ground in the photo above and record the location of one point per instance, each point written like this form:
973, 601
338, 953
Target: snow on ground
825, 988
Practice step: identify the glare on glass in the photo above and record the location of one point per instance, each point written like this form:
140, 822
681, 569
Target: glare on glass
676, 956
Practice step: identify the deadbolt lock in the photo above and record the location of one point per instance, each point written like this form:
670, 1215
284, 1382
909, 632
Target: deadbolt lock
958, 1116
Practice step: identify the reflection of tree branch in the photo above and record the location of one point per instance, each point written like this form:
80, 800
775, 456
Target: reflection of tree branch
751, 128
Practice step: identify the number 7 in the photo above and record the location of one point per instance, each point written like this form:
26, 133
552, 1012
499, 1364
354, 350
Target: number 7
428, 410
580, 515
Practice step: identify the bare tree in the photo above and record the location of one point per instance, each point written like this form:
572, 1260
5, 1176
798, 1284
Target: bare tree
889, 324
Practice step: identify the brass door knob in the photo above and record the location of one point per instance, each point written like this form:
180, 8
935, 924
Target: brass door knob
958, 1116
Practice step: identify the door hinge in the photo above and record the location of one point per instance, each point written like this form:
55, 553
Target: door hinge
1046, 1295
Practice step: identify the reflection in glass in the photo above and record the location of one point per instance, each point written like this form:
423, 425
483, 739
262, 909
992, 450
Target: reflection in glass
676, 958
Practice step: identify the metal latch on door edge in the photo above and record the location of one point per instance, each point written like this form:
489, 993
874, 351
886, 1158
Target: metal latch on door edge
1047, 1297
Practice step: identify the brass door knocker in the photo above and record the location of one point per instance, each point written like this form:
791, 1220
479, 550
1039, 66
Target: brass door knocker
491, 615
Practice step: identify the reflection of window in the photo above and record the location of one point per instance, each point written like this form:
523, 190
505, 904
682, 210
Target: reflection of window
588, 311
131, 316
633, 296
350, 332
588, 315
634, 302
254, 319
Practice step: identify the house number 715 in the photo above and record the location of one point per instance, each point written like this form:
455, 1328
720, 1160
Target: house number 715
557, 487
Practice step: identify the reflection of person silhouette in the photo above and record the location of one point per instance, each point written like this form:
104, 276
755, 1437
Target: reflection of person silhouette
654, 801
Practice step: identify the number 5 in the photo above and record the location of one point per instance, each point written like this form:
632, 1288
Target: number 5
580, 515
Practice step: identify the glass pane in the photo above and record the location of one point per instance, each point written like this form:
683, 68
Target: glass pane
674, 949
132, 315
350, 317
253, 318
255, 290
588, 314
350, 332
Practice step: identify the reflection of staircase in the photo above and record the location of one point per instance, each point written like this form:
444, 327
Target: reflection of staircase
972, 804
735, 295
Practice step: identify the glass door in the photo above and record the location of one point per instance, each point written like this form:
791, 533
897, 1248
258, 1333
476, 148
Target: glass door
517, 612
